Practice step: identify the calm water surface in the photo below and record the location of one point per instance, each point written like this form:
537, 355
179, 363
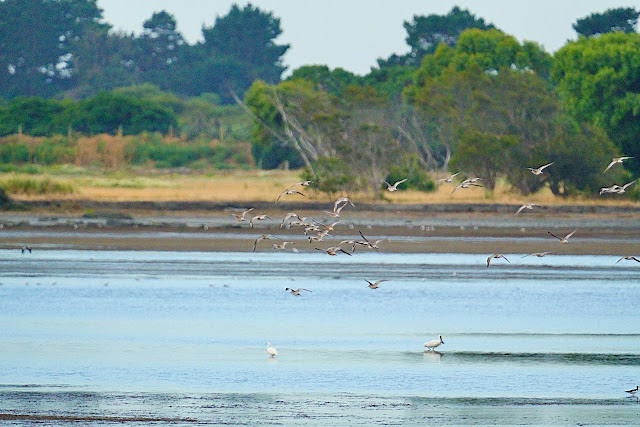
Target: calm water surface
99, 336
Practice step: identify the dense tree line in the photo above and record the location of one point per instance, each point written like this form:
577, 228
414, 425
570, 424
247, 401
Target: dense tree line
63, 48
467, 96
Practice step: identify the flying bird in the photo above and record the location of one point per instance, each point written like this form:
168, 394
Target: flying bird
632, 392
289, 192
538, 254
241, 217
333, 250
394, 187
262, 237
564, 239
628, 258
258, 218
296, 292
431, 345
465, 184
341, 200
622, 189
450, 179
496, 256
375, 284
373, 245
616, 160
26, 248
289, 216
526, 206
302, 183
538, 171
282, 246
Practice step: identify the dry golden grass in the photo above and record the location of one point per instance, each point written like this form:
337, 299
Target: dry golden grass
257, 185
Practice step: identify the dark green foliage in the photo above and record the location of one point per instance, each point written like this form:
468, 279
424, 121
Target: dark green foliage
333, 81
332, 175
598, 80
5, 201
424, 33
415, 173
35, 116
112, 113
195, 154
34, 36
624, 19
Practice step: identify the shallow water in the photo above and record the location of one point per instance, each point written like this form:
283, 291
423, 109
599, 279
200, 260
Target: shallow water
179, 337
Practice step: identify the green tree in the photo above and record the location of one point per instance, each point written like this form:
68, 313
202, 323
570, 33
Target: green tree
331, 81
623, 19
240, 48
488, 50
37, 40
112, 113
425, 33
160, 44
598, 79
483, 155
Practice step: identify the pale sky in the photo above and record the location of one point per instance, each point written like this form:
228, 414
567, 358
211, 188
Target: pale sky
352, 34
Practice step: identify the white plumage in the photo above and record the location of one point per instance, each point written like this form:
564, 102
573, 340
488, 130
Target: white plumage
272, 352
430, 345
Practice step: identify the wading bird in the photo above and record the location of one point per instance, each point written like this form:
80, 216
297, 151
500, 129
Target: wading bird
296, 291
375, 284
538, 171
564, 239
632, 392
431, 345
616, 160
394, 187
496, 256
272, 352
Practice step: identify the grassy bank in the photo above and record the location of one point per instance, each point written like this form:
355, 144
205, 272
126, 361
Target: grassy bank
78, 183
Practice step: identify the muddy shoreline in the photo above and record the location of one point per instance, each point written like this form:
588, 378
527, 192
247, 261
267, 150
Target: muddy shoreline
460, 228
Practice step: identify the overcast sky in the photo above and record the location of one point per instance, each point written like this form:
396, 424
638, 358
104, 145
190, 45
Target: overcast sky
352, 34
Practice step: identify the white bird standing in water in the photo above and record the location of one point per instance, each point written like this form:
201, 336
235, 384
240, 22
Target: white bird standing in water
272, 352
431, 345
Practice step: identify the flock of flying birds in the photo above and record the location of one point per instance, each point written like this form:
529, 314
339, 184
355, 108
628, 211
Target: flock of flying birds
316, 231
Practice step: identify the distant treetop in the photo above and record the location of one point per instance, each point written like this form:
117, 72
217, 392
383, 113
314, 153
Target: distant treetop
624, 19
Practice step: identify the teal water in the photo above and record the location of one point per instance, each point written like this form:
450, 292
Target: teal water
177, 337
